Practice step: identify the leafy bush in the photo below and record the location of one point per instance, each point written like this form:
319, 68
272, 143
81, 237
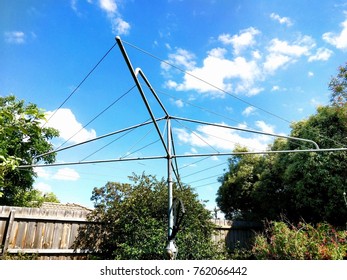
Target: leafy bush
19, 256
303, 242
130, 222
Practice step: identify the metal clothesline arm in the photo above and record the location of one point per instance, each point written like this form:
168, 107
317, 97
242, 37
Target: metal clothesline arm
98, 138
246, 130
261, 152
90, 162
143, 96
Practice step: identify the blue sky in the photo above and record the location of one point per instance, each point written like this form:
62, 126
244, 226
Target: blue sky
260, 65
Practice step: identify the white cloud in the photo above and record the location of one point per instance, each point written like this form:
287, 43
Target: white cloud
242, 41
222, 71
322, 54
109, 6
282, 20
167, 45
337, 40
43, 187
179, 103
119, 26
73, 5
248, 89
66, 174
217, 71
15, 37
181, 58
300, 47
171, 84
275, 88
221, 139
314, 102
310, 74
248, 111
41, 172
281, 53
275, 61
59, 121
264, 127
215, 158
256, 54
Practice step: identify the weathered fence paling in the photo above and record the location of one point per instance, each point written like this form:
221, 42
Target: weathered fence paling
235, 234
39, 230
50, 233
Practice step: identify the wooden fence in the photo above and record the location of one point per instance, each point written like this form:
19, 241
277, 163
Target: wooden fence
235, 234
50, 233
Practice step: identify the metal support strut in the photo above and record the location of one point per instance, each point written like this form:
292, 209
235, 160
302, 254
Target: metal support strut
171, 248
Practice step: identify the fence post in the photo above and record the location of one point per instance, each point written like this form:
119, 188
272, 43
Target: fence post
8, 231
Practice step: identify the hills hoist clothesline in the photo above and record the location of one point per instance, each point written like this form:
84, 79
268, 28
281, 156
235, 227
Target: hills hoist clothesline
176, 210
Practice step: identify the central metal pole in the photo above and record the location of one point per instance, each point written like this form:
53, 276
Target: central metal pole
169, 178
171, 247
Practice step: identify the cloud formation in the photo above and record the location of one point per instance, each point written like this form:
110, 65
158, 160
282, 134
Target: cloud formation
43, 187
282, 20
221, 139
215, 73
69, 128
243, 40
242, 69
322, 54
66, 174
338, 40
248, 111
118, 24
15, 37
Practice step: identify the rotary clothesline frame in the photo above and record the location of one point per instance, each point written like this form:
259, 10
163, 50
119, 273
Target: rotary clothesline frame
168, 145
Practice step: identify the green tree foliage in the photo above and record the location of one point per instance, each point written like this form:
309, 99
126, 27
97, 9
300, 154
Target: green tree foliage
130, 222
318, 180
308, 185
36, 198
22, 137
338, 87
235, 196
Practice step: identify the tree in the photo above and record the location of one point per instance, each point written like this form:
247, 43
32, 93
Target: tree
306, 185
36, 198
318, 180
22, 138
130, 222
235, 195
338, 87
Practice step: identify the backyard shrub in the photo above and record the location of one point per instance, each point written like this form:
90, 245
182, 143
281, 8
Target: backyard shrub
129, 222
282, 241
